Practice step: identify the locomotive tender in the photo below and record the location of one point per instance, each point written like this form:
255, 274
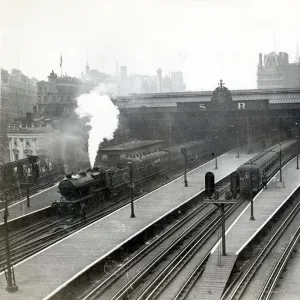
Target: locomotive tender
265, 164
89, 189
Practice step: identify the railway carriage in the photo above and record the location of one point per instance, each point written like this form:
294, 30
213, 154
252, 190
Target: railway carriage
265, 164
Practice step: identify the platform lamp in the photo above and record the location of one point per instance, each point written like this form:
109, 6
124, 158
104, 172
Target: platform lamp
216, 158
131, 189
280, 167
184, 154
237, 141
35, 174
251, 193
237, 144
9, 274
297, 136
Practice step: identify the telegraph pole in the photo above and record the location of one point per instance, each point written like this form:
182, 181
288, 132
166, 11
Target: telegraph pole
9, 273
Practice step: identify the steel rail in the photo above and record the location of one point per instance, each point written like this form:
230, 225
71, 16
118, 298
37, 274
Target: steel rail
237, 291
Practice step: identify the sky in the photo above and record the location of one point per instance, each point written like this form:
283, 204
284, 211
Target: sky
206, 39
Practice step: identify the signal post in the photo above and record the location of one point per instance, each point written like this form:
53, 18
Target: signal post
213, 198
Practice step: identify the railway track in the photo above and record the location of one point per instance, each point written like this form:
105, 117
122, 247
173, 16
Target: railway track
38, 236
16, 193
238, 286
185, 230
162, 280
274, 277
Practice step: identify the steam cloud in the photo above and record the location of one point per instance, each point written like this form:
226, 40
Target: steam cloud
103, 115
69, 144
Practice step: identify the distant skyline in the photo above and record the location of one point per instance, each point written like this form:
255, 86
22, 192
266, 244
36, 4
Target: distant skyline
206, 40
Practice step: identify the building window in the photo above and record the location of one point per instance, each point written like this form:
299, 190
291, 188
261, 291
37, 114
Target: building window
16, 156
45, 90
45, 99
54, 98
104, 157
69, 99
16, 142
27, 142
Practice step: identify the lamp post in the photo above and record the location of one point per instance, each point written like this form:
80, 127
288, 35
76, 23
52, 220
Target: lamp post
27, 185
280, 162
9, 274
237, 144
237, 140
216, 159
131, 189
184, 154
251, 193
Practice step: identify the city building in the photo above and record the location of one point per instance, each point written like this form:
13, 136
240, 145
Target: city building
92, 78
275, 71
27, 137
4, 157
143, 84
21, 92
56, 97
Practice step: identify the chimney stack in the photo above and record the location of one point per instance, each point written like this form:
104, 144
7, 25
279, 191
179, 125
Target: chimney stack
260, 59
159, 80
123, 71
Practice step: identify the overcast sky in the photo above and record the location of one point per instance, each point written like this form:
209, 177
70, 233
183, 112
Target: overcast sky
206, 39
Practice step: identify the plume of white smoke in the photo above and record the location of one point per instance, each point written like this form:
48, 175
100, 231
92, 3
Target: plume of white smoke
103, 115
69, 143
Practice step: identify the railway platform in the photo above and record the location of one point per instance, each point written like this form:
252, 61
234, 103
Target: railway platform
38, 201
266, 203
45, 273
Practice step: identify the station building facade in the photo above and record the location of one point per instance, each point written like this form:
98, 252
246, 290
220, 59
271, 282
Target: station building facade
181, 117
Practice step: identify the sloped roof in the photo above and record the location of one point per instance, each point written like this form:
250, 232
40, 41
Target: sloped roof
162, 101
131, 145
285, 98
167, 100
250, 97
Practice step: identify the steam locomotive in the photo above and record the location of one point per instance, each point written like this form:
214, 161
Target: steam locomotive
265, 164
88, 189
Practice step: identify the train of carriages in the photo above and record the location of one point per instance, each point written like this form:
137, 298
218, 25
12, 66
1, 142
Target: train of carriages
265, 165
88, 189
